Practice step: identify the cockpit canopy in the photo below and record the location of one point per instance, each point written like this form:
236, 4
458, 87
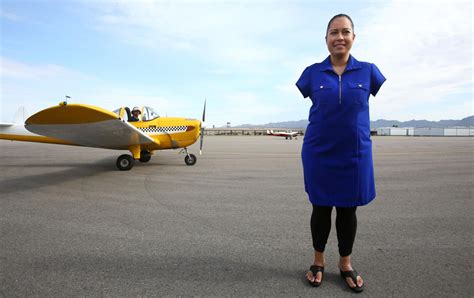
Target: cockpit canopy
147, 113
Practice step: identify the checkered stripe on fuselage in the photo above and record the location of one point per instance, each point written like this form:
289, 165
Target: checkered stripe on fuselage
163, 129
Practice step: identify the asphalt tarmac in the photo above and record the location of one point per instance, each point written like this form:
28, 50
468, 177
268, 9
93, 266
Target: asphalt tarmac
236, 223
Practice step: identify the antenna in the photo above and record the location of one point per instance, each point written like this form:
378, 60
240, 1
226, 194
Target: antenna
67, 97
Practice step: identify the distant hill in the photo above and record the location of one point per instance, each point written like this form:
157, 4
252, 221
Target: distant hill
286, 124
301, 124
468, 121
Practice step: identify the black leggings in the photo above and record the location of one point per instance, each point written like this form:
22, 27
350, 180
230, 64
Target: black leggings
346, 227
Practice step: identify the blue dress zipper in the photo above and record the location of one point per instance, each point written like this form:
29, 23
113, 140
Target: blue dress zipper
340, 90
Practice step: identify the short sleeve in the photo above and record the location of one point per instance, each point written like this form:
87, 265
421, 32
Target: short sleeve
376, 80
304, 82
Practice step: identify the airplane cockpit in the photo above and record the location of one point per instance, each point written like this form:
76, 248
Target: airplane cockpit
146, 113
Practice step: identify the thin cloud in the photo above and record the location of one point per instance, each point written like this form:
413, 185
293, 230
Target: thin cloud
229, 32
36, 87
12, 69
424, 48
10, 16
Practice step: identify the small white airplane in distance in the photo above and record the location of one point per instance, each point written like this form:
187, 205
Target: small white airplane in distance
287, 134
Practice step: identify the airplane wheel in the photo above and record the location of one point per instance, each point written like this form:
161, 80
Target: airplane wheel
145, 156
124, 162
190, 159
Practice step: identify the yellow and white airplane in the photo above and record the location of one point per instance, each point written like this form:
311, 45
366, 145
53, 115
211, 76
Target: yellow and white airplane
90, 126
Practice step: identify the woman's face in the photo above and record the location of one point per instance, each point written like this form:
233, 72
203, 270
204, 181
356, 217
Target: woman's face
340, 37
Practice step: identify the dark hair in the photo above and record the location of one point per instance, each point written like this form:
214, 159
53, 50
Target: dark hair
341, 15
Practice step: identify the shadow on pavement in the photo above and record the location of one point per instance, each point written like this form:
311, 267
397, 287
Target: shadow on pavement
72, 172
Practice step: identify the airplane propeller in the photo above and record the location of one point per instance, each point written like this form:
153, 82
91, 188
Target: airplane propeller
202, 127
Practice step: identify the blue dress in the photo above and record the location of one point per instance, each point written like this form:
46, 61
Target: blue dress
337, 150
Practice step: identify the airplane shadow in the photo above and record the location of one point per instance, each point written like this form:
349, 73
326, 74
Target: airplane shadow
72, 172
202, 269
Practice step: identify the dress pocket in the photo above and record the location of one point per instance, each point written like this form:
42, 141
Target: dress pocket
359, 92
322, 93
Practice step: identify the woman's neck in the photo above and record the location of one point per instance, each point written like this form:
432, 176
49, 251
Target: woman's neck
339, 61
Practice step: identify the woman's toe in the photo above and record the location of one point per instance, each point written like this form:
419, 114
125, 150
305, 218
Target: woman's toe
318, 277
360, 282
350, 282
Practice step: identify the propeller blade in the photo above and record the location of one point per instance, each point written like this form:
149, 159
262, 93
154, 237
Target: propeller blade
202, 139
204, 112
202, 127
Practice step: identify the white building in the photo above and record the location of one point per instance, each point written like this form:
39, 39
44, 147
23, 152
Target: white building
458, 131
395, 131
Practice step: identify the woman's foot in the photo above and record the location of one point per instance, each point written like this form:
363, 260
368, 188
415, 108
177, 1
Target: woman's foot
315, 273
352, 278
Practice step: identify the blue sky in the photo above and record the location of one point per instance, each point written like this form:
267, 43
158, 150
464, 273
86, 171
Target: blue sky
242, 56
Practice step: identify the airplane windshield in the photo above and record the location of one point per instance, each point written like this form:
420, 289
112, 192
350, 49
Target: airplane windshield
149, 114
146, 115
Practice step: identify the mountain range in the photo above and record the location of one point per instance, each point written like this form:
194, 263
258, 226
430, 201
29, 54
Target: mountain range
301, 124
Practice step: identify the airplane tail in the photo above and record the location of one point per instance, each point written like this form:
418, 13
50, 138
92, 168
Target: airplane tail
19, 119
20, 115
16, 130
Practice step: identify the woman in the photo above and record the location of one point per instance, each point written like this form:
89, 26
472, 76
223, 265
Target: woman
337, 150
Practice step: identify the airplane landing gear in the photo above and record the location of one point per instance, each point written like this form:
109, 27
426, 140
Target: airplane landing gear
189, 159
124, 162
145, 156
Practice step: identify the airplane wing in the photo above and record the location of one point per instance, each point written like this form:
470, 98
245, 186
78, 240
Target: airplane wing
86, 125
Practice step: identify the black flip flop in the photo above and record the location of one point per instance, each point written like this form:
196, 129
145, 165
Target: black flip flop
353, 275
315, 269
